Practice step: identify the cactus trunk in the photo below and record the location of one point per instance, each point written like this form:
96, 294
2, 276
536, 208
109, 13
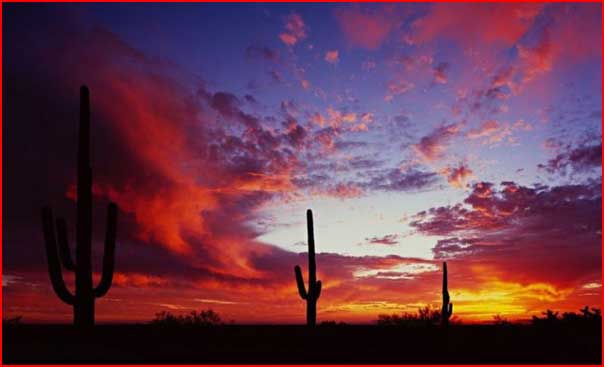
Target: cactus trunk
314, 287
85, 293
311, 312
447, 308
84, 306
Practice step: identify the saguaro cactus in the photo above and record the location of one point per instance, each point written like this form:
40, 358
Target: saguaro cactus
447, 309
314, 286
84, 297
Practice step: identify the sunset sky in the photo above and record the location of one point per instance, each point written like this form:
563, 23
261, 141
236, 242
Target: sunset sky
417, 133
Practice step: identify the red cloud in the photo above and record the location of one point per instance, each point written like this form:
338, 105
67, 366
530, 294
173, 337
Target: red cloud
569, 37
519, 232
476, 23
180, 174
138, 280
366, 29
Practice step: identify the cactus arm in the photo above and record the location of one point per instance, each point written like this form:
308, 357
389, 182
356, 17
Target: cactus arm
450, 309
64, 253
54, 265
318, 290
109, 255
300, 282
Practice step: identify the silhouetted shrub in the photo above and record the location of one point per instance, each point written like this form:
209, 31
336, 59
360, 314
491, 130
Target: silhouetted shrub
500, 320
549, 318
193, 319
425, 316
586, 316
332, 323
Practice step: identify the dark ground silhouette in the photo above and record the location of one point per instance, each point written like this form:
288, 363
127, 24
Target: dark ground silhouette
550, 343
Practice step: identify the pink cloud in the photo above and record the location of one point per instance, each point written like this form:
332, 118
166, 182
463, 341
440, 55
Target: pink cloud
396, 87
486, 129
295, 30
388, 240
433, 145
342, 191
492, 132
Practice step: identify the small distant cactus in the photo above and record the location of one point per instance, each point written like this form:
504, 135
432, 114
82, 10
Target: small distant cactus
447, 309
84, 297
314, 286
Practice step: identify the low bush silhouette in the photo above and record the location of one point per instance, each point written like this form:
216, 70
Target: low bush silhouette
203, 318
501, 321
586, 316
425, 316
13, 321
332, 323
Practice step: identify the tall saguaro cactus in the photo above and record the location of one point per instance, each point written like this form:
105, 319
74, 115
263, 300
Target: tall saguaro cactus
314, 286
85, 294
447, 309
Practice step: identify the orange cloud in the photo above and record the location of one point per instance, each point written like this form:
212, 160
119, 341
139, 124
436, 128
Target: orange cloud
492, 132
457, 176
334, 119
332, 57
